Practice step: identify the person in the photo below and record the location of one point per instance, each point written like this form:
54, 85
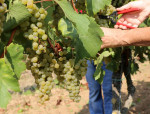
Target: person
116, 38
132, 37
96, 103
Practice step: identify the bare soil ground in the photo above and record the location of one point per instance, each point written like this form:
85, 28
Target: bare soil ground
26, 102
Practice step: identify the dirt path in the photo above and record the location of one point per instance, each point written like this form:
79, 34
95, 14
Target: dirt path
27, 101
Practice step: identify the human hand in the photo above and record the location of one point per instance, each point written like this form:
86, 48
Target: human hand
134, 19
113, 38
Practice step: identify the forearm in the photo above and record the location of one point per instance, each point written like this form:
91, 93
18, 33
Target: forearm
136, 37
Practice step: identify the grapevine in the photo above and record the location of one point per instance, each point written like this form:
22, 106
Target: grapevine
56, 37
3, 8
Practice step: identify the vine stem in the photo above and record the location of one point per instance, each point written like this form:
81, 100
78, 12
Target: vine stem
51, 45
74, 6
42, 1
9, 42
49, 6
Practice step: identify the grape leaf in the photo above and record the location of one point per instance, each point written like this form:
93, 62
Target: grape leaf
134, 67
50, 8
88, 43
15, 58
67, 29
5, 37
7, 82
19, 39
1, 47
94, 6
18, 13
99, 73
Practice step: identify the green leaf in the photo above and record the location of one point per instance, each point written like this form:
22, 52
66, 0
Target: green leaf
102, 74
67, 29
1, 47
134, 67
7, 82
106, 54
18, 13
5, 37
89, 7
5, 96
15, 58
88, 43
99, 73
50, 7
94, 6
19, 39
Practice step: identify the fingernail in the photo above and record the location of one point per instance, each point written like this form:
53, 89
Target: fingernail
124, 27
129, 24
135, 26
116, 26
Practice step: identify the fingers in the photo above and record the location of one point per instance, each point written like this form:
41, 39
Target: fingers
124, 27
121, 20
116, 26
127, 6
102, 47
136, 26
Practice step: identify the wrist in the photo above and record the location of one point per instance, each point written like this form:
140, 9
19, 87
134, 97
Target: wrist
124, 39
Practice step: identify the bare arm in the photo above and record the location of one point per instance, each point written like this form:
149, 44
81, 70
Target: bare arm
137, 37
133, 37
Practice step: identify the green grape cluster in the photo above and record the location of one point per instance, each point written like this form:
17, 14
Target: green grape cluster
108, 10
44, 61
35, 31
34, 28
42, 68
101, 22
69, 75
3, 7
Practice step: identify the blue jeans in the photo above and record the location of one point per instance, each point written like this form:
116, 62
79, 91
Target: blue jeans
96, 103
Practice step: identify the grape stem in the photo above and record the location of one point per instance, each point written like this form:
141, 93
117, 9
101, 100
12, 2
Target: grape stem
5, 12
49, 6
42, 1
51, 45
9, 42
74, 6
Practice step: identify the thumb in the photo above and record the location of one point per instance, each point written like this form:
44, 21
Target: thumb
102, 47
127, 6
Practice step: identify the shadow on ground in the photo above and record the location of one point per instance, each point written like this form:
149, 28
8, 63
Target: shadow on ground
140, 103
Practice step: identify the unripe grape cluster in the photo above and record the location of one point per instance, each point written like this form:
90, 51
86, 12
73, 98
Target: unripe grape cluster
43, 61
101, 22
42, 69
108, 10
3, 8
69, 75
34, 28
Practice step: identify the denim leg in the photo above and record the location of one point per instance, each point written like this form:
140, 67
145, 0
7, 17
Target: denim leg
95, 95
107, 90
